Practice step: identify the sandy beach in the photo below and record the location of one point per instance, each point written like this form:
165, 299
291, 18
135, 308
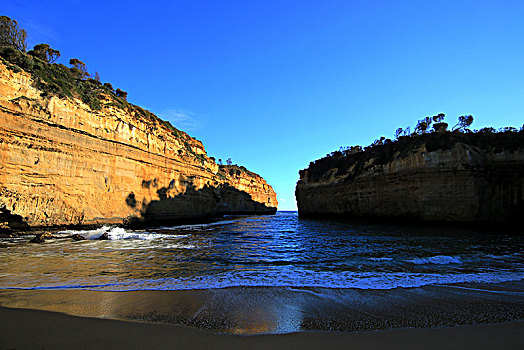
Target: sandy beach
263, 318
31, 329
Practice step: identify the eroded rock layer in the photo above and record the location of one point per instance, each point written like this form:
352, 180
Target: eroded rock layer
449, 177
62, 163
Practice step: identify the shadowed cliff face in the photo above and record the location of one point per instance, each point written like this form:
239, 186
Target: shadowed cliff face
450, 178
62, 163
9, 220
201, 203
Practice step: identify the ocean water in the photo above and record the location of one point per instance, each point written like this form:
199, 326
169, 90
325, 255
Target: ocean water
279, 251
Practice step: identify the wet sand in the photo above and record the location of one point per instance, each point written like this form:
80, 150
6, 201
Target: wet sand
272, 310
31, 329
488, 316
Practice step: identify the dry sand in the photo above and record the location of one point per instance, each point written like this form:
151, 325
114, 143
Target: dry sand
31, 329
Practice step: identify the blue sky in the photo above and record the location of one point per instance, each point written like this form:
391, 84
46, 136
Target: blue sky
277, 84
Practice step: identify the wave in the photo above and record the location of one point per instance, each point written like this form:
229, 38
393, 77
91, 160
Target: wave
505, 256
437, 260
118, 233
291, 279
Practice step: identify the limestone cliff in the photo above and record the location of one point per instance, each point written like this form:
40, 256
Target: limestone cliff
63, 162
450, 177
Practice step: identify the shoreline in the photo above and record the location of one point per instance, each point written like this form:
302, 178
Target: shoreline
28, 329
279, 310
132, 225
512, 227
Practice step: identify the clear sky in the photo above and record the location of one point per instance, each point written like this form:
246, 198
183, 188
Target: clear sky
276, 84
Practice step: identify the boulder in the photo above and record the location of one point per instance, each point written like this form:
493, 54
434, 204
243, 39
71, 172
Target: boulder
39, 238
47, 235
5, 229
78, 237
104, 237
7, 234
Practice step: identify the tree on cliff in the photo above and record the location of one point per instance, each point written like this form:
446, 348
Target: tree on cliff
464, 122
355, 149
423, 125
45, 53
379, 142
11, 35
229, 161
78, 68
121, 93
438, 118
439, 125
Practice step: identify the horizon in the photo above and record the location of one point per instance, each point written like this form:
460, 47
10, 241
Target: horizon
260, 94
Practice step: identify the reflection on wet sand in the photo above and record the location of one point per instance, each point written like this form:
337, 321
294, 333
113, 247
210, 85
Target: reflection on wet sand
285, 310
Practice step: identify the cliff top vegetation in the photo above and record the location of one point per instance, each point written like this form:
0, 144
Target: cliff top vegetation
384, 150
234, 169
65, 82
75, 81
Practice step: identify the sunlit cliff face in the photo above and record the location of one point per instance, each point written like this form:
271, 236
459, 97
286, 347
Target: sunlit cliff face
63, 163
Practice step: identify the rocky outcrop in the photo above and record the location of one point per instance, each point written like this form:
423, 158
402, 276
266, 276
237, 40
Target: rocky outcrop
64, 163
41, 237
77, 237
450, 177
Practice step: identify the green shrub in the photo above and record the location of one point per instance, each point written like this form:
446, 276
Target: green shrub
45, 53
94, 82
121, 93
64, 82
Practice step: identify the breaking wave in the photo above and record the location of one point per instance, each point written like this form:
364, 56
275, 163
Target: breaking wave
118, 233
295, 279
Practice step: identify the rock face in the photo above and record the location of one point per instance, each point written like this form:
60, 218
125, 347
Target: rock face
449, 177
62, 163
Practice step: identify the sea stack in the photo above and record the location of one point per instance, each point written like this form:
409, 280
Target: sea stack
453, 177
97, 159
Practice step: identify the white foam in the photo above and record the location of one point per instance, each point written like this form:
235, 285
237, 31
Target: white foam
88, 234
438, 260
118, 233
294, 279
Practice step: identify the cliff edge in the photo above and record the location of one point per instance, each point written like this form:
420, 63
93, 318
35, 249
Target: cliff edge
439, 177
71, 161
